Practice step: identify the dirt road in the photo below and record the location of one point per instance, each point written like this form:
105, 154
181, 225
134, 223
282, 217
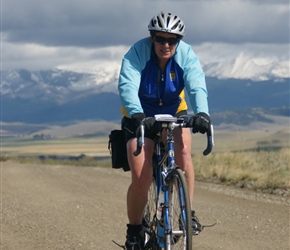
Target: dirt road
66, 207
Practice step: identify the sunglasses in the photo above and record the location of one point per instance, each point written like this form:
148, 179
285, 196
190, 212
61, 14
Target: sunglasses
163, 40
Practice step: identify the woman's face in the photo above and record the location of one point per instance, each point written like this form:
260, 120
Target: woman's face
164, 45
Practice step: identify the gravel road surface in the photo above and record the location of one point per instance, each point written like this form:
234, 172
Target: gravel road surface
66, 207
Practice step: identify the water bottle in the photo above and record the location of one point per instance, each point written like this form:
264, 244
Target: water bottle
160, 204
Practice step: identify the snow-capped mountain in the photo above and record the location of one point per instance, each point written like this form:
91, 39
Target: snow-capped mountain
70, 82
56, 85
82, 92
243, 67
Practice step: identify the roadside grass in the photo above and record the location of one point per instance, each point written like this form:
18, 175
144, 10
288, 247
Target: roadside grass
267, 171
259, 170
253, 160
84, 161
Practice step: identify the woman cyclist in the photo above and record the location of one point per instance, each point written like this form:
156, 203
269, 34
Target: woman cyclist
154, 75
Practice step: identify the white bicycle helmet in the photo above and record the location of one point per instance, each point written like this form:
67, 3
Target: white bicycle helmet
166, 22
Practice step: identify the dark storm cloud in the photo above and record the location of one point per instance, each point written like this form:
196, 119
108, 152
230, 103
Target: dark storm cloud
70, 23
91, 23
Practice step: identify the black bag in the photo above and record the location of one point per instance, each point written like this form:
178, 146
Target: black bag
118, 150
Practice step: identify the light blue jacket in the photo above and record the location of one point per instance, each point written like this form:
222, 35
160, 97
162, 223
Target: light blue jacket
144, 89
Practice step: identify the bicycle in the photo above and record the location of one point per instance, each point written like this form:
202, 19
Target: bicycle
167, 221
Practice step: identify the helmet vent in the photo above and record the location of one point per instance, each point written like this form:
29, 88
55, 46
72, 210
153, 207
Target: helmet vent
167, 22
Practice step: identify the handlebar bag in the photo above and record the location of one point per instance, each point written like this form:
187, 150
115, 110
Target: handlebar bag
118, 150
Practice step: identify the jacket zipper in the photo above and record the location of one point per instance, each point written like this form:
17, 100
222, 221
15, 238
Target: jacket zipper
160, 77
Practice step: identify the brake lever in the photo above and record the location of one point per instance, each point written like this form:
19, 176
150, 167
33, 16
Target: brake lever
140, 139
210, 141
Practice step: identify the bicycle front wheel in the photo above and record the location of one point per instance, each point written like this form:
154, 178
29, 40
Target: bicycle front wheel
179, 213
149, 219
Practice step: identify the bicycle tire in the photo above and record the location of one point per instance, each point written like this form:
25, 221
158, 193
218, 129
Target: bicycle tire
149, 219
179, 213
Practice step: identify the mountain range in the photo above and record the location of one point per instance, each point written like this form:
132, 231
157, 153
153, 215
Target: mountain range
238, 92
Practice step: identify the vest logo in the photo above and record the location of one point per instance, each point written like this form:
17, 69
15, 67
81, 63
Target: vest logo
172, 76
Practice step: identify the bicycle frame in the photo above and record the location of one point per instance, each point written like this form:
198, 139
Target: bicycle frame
164, 164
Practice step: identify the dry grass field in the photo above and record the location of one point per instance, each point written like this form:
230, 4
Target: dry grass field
252, 158
69, 146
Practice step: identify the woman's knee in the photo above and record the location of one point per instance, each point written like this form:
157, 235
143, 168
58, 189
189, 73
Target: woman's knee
141, 184
141, 177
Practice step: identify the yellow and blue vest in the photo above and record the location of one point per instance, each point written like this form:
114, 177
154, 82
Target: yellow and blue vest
143, 88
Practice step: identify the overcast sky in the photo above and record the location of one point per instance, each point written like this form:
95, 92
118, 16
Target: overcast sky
38, 34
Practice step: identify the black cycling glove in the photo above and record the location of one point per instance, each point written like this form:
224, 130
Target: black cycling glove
137, 118
200, 123
151, 126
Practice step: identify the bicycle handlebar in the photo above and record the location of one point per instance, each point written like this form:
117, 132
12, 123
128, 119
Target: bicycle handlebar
171, 123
